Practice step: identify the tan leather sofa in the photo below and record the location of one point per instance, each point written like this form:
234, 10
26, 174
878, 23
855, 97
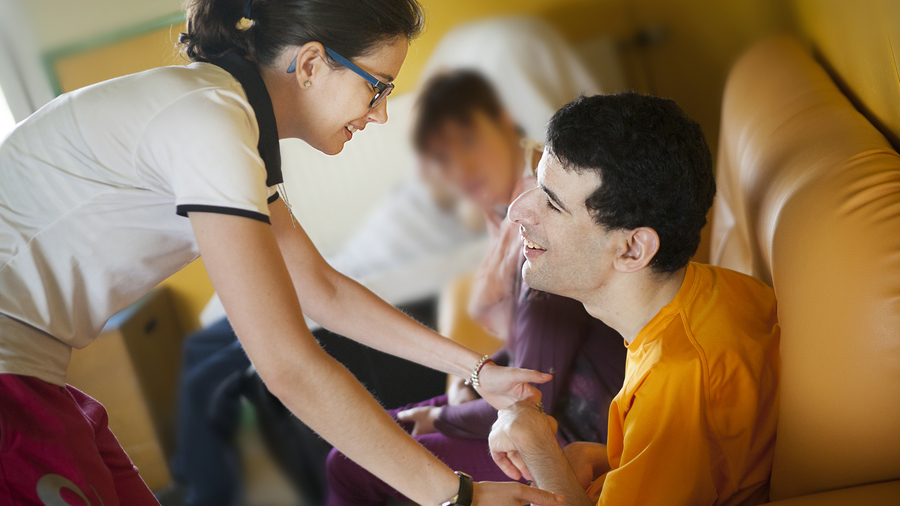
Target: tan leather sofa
809, 202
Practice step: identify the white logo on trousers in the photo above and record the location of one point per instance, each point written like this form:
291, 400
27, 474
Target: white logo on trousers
50, 485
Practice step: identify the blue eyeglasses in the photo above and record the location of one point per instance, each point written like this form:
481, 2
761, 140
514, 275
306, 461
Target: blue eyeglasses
382, 90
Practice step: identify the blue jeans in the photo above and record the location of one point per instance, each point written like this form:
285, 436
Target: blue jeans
209, 404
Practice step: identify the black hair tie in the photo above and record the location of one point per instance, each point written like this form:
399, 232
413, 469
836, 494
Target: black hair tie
248, 9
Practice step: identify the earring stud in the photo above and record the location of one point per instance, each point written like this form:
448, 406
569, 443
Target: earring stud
307, 83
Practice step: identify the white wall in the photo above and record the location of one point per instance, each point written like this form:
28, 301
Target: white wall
22, 78
332, 195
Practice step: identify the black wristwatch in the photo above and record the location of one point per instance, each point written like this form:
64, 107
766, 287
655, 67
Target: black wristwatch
466, 491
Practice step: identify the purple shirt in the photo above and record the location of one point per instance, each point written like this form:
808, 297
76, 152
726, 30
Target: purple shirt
555, 335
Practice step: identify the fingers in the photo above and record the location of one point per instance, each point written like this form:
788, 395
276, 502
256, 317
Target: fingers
489, 493
519, 462
539, 497
526, 376
501, 386
512, 464
412, 414
529, 376
506, 465
407, 415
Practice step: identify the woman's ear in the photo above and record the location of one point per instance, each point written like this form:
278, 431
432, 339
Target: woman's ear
637, 249
310, 63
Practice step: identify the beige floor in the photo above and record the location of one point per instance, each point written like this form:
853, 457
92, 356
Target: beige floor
265, 483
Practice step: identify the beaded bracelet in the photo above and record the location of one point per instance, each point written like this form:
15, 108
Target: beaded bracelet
473, 379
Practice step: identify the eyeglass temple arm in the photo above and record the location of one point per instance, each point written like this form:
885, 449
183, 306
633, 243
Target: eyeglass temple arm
352, 66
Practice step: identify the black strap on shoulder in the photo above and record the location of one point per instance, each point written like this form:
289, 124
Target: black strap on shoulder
247, 74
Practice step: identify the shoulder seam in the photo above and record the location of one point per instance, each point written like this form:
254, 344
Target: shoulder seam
713, 427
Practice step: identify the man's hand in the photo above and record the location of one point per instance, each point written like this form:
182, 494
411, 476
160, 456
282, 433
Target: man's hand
521, 426
423, 417
503, 386
523, 445
588, 460
458, 392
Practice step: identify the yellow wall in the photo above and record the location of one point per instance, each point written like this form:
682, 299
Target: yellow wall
134, 54
577, 19
859, 42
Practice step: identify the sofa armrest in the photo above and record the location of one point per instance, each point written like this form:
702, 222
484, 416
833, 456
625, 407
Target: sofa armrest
454, 320
886, 493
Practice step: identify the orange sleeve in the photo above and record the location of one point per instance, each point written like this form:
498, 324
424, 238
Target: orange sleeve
665, 452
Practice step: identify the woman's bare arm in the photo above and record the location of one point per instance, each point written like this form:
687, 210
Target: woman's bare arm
345, 307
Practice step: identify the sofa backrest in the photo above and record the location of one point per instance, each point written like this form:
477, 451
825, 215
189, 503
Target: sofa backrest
809, 202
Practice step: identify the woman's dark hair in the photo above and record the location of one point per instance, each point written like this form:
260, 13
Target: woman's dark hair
456, 96
654, 165
350, 27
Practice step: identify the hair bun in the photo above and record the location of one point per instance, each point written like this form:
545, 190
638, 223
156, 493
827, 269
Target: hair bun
244, 24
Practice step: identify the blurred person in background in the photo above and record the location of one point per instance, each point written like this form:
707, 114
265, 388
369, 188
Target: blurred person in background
469, 144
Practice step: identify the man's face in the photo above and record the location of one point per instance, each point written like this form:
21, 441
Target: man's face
566, 251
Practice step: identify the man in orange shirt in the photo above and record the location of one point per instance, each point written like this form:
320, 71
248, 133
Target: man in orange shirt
625, 184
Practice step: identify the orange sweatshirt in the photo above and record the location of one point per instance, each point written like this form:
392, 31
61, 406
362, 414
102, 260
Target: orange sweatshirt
694, 423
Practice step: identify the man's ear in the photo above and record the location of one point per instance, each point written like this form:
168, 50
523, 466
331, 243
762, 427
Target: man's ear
637, 249
310, 62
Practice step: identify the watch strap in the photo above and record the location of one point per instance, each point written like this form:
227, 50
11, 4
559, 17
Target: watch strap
466, 491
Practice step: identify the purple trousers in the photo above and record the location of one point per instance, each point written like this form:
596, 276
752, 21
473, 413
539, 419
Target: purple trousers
350, 484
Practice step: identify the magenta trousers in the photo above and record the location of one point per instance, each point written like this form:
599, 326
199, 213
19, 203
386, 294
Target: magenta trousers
56, 448
350, 484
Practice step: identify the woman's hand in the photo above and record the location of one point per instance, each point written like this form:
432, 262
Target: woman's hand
423, 417
488, 493
502, 387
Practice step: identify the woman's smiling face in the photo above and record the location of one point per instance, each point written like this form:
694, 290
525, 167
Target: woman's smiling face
336, 102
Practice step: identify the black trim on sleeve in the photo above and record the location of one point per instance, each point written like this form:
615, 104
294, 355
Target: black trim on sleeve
183, 210
247, 74
272, 198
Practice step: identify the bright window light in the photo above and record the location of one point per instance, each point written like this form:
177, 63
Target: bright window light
6, 118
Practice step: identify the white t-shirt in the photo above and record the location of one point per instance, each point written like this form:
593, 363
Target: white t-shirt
94, 190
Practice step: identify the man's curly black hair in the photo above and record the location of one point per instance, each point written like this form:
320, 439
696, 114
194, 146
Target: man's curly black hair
654, 165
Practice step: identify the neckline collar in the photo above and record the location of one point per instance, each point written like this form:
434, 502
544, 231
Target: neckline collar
684, 295
248, 75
